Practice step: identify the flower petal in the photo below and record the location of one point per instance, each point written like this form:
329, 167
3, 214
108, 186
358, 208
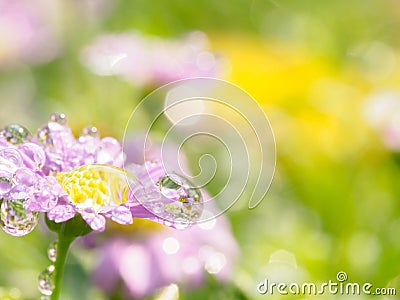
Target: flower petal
122, 215
95, 221
62, 212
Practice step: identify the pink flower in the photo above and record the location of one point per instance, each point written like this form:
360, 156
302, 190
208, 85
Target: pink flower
63, 176
156, 259
168, 256
145, 61
27, 33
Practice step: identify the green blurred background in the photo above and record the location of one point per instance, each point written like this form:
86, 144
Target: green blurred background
333, 205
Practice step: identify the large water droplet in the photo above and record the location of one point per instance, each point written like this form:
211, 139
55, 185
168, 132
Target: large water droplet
52, 251
15, 134
15, 220
46, 281
59, 118
186, 203
90, 131
171, 186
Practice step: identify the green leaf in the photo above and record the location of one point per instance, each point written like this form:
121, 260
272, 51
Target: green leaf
72, 228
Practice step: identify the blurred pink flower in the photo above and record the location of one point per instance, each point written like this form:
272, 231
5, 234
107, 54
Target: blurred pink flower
382, 112
147, 262
168, 256
144, 60
27, 32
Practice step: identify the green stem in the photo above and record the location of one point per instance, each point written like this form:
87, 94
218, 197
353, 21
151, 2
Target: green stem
64, 242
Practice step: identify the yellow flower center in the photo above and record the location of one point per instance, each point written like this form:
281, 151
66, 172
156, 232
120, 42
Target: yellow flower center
96, 185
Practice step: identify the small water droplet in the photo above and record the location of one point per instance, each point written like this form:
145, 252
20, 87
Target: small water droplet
15, 219
15, 134
171, 186
43, 136
46, 281
52, 251
186, 203
90, 131
59, 118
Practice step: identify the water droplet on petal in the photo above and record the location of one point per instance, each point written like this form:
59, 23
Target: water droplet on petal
59, 118
172, 186
90, 131
52, 251
46, 281
15, 220
15, 134
43, 136
186, 203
